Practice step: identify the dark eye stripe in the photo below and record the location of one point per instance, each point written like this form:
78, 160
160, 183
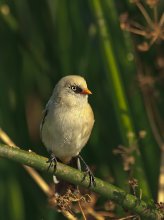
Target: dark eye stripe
76, 89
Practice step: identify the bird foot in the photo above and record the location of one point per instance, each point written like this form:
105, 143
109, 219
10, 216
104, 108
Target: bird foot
52, 162
88, 173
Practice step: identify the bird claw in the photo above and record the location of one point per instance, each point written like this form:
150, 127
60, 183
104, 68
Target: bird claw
88, 173
92, 182
52, 162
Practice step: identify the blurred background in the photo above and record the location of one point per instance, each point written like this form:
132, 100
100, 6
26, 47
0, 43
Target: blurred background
118, 47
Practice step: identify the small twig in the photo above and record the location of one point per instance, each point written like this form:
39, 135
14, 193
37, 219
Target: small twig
82, 212
136, 31
161, 179
37, 178
153, 119
40, 181
95, 215
161, 20
145, 14
127, 217
68, 215
34, 174
155, 14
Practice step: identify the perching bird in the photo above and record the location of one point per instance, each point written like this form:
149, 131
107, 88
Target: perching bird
68, 120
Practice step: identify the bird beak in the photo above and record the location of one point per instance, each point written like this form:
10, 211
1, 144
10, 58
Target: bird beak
86, 92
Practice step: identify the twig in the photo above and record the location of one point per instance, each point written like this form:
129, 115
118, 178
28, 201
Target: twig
161, 179
127, 217
145, 14
74, 176
37, 178
82, 212
68, 215
154, 121
34, 174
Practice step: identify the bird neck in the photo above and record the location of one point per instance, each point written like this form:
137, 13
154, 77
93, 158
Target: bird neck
78, 100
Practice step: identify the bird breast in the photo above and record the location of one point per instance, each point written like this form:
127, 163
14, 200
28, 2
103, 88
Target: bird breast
69, 130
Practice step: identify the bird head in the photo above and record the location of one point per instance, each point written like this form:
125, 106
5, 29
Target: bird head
72, 89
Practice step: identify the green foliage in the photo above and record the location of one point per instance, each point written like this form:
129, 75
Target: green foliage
41, 41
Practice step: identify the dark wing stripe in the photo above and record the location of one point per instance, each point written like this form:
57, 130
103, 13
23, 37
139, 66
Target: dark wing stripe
43, 120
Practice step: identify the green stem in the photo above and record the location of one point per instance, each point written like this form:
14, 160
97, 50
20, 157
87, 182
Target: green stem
118, 94
74, 176
114, 76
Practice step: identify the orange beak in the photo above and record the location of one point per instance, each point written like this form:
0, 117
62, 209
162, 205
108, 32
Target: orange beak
86, 92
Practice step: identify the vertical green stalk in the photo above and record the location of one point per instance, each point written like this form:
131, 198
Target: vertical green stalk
118, 94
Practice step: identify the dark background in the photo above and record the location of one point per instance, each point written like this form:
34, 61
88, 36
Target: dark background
41, 41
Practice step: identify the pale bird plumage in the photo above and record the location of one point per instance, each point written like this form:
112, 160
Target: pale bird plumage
68, 118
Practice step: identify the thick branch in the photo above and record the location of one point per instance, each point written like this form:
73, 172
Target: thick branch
71, 175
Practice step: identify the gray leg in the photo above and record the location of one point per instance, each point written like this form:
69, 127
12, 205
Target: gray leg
87, 171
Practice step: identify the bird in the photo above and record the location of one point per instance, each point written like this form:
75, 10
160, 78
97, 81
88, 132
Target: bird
67, 122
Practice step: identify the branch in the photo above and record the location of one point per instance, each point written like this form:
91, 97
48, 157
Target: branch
74, 176
33, 173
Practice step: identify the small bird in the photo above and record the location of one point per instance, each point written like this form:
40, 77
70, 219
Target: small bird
68, 121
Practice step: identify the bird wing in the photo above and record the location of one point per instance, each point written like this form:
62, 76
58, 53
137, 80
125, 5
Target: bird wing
45, 112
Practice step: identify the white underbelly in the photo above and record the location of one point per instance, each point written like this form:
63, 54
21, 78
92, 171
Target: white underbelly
64, 137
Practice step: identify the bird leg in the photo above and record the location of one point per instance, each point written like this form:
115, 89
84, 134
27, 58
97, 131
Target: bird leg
88, 172
52, 162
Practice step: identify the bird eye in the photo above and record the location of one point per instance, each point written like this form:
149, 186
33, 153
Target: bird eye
73, 88
76, 89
